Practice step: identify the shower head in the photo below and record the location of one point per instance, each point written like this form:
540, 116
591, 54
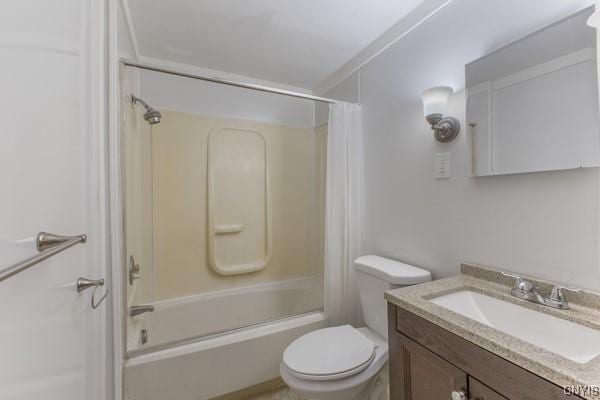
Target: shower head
151, 115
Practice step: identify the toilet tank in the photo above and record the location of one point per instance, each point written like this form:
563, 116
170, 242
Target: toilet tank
376, 275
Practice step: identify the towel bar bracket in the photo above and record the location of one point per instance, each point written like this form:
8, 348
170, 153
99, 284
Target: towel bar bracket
48, 245
45, 240
84, 284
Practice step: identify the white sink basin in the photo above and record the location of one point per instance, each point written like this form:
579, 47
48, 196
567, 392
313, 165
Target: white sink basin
570, 340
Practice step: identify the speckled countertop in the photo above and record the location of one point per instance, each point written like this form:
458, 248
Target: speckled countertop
585, 310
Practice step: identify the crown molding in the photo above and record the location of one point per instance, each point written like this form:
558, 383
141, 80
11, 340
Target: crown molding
130, 28
419, 15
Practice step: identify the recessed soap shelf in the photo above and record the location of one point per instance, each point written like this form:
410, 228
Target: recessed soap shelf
228, 229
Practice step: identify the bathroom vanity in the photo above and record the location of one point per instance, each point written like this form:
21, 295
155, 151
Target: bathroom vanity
466, 337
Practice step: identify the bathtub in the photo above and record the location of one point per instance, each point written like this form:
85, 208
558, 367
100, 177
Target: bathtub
204, 346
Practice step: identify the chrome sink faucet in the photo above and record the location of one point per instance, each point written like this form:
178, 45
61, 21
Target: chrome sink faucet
527, 290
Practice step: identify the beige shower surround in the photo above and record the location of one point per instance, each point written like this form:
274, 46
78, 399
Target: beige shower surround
179, 185
138, 204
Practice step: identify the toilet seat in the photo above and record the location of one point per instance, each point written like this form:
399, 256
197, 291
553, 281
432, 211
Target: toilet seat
329, 354
355, 387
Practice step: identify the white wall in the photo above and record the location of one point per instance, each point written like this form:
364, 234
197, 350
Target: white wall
347, 90
125, 45
543, 224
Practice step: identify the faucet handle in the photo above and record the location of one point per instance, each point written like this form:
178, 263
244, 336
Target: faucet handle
137, 310
520, 283
134, 270
557, 293
509, 275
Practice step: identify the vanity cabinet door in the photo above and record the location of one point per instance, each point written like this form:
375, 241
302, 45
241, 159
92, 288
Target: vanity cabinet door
423, 375
478, 391
512, 381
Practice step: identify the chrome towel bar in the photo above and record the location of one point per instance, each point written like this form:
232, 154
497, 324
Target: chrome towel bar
48, 245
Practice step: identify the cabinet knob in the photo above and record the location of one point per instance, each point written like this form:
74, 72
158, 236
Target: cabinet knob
460, 395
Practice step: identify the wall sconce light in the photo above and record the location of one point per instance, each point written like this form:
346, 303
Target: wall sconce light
594, 19
434, 100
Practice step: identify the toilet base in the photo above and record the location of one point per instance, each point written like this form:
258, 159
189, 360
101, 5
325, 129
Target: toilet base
376, 388
381, 387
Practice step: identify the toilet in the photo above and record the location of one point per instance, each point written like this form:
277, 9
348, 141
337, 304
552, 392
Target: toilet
347, 363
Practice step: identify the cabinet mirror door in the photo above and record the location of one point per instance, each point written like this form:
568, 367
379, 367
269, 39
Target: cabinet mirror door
533, 105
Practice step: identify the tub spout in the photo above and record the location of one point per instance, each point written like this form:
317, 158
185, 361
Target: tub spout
137, 310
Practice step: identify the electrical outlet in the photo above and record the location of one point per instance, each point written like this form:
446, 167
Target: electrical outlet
442, 165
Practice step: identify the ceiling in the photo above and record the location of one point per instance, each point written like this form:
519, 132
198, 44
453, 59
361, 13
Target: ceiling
292, 42
433, 55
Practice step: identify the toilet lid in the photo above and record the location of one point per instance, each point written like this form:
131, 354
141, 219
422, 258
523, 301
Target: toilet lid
329, 353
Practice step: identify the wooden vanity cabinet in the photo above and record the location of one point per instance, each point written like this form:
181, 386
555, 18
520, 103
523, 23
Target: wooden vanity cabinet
430, 363
421, 375
478, 391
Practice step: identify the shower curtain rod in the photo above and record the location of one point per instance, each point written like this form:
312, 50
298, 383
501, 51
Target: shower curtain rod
243, 85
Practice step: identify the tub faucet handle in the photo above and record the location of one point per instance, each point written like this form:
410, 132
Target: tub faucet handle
137, 310
134, 270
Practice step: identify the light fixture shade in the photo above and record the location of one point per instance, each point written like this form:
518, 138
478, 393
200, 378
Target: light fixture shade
435, 100
594, 19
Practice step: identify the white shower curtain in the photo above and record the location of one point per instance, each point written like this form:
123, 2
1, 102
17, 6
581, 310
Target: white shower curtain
343, 211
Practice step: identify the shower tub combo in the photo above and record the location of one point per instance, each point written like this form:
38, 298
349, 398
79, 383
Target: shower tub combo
224, 233
223, 360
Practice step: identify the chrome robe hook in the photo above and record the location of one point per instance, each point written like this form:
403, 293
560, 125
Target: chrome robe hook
84, 284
